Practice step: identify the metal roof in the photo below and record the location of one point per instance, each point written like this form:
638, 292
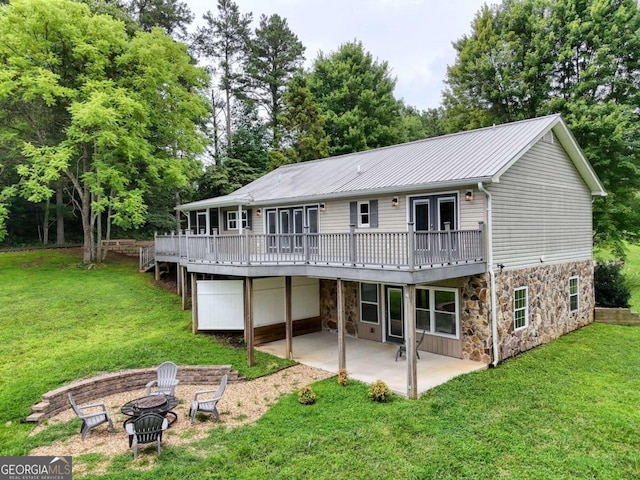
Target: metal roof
458, 159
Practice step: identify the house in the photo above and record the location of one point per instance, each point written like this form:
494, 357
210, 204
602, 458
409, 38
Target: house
481, 239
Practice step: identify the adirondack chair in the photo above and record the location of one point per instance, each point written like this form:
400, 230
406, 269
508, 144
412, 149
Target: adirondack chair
90, 416
166, 382
208, 405
146, 428
402, 349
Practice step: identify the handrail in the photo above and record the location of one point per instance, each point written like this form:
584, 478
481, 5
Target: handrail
408, 250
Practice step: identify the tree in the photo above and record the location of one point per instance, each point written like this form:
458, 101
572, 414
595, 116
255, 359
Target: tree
274, 57
172, 16
303, 124
250, 137
225, 38
132, 108
526, 58
355, 92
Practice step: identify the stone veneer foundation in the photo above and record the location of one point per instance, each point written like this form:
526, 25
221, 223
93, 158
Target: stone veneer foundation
328, 305
549, 315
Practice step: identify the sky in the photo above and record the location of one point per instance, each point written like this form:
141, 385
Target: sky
413, 36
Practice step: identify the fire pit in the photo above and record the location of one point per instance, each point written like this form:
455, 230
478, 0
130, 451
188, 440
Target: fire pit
160, 404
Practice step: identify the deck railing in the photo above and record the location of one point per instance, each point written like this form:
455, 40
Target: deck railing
395, 249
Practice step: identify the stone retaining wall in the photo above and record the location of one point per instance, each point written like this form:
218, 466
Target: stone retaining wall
127, 247
617, 316
95, 388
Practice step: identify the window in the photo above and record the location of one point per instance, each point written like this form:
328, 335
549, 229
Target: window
369, 303
521, 308
363, 214
437, 311
574, 297
232, 219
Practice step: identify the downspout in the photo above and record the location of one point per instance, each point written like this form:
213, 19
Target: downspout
492, 276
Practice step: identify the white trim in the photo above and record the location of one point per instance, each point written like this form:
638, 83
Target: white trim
577, 294
362, 224
376, 303
425, 195
525, 308
432, 311
228, 220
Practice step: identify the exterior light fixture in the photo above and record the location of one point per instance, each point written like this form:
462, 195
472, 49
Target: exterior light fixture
259, 212
394, 202
468, 196
322, 207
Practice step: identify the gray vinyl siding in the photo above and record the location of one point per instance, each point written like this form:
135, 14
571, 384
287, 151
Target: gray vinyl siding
541, 209
473, 212
335, 218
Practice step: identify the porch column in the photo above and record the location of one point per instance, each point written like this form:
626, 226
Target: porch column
194, 303
342, 358
239, 223
410, 328
248, 319
156, 265
288, 319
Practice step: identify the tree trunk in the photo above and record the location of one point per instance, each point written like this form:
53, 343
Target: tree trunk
88, 252
98, 217
59, 216
108, 234
45, 223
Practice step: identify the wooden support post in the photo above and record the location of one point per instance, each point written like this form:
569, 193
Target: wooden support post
179, 279
410, 329
157, 271
288, 319
342, 358
194, 302
248, 319
185, 287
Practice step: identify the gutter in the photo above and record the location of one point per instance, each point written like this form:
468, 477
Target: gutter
492, 275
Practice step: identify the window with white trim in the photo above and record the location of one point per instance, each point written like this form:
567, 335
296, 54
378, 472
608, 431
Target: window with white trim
574, 297
520, 308
369, 303
232, 219
437, 311
364, 214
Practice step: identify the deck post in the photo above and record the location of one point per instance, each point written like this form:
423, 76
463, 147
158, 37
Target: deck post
352, 244
447, 231
305, 244
411, 246
481, 247
248, 319
185, 287
178, 279
288, 319
410, 328
247, 246
342, 358
194, 302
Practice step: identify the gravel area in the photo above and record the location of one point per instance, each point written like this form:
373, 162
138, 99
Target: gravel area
242, 403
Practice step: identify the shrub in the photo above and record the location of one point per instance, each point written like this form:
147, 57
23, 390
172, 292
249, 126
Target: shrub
342, 377
306, 395
611, 287
378, 391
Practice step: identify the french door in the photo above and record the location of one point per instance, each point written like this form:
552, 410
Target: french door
395, 314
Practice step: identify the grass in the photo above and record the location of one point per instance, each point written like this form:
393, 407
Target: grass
568, 409
61, 321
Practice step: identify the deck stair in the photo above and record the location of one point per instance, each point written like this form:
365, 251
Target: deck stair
147, 258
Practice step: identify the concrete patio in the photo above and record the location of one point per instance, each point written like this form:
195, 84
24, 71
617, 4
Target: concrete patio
369, 361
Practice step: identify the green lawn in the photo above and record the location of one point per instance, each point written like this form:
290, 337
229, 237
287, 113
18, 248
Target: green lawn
565, 410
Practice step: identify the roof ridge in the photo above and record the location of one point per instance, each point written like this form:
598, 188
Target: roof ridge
421, 140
